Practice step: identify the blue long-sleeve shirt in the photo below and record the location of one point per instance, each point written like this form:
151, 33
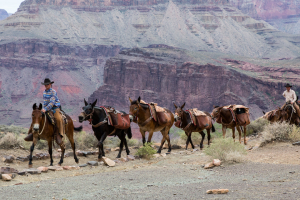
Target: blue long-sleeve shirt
50, 99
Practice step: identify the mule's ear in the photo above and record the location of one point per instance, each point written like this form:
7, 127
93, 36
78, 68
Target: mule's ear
34, 106
175, 105
130, 100
93, 104
139, 99
182, 105
86, 103
216, 106
40, 106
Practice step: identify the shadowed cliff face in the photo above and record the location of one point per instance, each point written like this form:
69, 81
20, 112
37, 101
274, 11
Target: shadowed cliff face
164, 76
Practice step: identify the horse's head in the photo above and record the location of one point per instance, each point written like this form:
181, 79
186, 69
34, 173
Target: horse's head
216, 112
134, 107
37, 116
178, 111
87, 112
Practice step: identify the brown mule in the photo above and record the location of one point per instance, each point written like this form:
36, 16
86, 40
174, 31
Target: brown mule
225, 117
43, 129
183, 121
278, 115
142, 116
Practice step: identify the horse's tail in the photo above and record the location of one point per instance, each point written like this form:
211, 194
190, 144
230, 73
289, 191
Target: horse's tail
213, 128
78, 128
129, 133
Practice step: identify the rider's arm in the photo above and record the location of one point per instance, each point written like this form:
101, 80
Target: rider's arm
283, 94
294, 97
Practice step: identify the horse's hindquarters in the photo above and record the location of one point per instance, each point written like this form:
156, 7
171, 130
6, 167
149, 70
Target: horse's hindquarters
203, 122
243, 119
163, 118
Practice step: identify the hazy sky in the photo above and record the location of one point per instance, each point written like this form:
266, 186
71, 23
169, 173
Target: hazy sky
11, 6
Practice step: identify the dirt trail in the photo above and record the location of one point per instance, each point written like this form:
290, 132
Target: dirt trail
270, 172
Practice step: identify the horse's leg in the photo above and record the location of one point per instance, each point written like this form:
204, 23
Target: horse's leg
190, 139
223, 130
125, 142
71, 139
233, 133
150, 136
208, 135
187, 140
31, 151
245, 141
50, 151
62, 147
203, 137
240, 133
143, 136
100, 145
121, 145
168, 139
161, 144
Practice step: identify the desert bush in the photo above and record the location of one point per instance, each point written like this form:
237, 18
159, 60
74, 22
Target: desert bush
13, 129
82, 140
146, 151
279, 132
295, 134
9, 140
133, 142
257, 126
226, 150
112, 142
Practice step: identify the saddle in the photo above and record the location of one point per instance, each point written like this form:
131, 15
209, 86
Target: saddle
240, 114
116, 118
199, 118
50, 116
158, 113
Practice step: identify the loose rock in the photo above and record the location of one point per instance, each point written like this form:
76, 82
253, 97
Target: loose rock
83, 165
8, 159
7, 170
22, 159
33, 171
6, 177
66, 167
209, 165
43, 169
217, 191
108, 162
216, 162
130, 157
93, 163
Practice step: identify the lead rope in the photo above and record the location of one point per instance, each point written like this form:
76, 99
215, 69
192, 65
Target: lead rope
44, 124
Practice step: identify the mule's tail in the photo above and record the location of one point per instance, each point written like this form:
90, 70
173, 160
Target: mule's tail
129, 133
213, 128
78, 128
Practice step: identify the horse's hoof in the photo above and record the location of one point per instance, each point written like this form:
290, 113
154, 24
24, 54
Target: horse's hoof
29, 166
99, 159
51, 164
59, 164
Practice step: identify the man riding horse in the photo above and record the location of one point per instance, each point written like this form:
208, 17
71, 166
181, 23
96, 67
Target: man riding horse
290, 98
51, 102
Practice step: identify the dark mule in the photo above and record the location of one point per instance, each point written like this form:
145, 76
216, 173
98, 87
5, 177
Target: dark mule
43, 129
292, 117
141, 112
184, 121
97, 115
227, 121
278, 115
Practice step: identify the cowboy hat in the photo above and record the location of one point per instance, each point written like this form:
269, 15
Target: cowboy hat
47, 82
288, 85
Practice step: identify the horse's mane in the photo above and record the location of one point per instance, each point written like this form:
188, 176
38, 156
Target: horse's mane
142, 104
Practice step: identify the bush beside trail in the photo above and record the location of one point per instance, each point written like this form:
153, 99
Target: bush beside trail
146, 151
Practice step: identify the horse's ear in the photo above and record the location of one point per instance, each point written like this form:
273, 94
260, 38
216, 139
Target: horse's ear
216, 106
182, 105
40, 106
86, 103
139, 99
93, 104
175, 105
130, 100
34, 106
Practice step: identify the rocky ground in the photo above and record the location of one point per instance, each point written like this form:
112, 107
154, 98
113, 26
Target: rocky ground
269, 172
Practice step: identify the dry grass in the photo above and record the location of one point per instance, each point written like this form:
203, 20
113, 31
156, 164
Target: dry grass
226, 150
257, 126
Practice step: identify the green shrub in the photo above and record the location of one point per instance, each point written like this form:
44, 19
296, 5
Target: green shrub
257, 126
226, 150
146, 151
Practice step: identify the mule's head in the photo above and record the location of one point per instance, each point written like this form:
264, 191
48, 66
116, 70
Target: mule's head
281, 115
134, 107
216, 111
178, 111
37, 116
87, 111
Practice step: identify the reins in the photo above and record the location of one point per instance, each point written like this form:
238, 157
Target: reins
44, 124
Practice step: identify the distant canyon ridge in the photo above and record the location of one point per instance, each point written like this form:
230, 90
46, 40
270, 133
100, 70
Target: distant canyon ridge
203, 53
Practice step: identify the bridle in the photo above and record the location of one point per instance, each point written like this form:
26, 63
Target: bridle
90, 115
179, 118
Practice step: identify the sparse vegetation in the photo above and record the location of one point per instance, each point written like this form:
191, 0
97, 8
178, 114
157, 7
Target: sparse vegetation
257, 126
226, 150
146, 151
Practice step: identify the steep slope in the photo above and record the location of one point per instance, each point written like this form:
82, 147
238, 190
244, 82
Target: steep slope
3, 14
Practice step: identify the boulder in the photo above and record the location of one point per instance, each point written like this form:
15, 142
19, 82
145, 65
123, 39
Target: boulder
217, 191
43, 169
33, 171
130, 157
216, 162
22, 159
93, 163
108, 162
7, 170
6, 177
209, 165
8, 159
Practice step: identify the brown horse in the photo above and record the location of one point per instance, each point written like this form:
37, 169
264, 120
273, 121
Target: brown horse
227, 121
43, 129
278, 115
185, 123
141, 112
291, 117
